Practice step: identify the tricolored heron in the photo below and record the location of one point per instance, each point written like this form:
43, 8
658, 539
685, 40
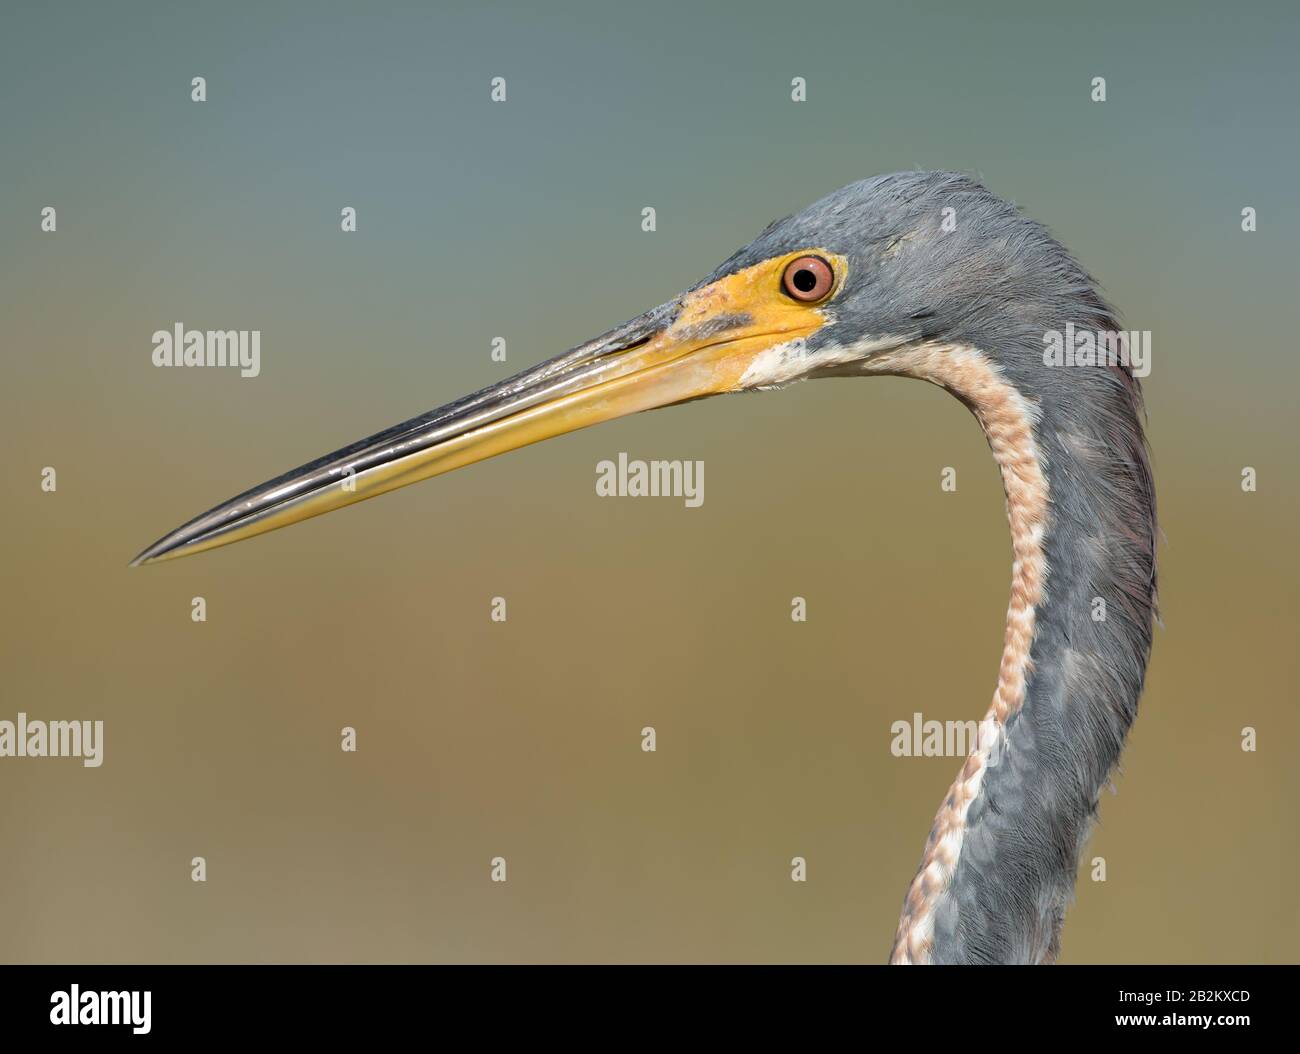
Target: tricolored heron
919, 274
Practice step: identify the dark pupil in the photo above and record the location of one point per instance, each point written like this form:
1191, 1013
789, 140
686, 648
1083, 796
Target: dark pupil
804, 280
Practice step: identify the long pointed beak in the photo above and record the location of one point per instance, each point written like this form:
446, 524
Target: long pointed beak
697, 345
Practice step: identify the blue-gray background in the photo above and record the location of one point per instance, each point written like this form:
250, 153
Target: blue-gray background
522, 220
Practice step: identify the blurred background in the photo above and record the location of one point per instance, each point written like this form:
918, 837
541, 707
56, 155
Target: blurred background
522, 220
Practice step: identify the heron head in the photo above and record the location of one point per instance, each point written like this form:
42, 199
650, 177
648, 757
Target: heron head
882, 265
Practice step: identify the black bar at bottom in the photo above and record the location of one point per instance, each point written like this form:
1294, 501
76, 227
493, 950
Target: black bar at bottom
623, 1003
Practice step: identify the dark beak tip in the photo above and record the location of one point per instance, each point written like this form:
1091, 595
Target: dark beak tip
148, 555
259, 508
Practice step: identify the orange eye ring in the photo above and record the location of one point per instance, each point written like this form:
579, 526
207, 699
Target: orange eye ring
808, 279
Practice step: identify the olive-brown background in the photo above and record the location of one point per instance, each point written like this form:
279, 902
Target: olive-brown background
523, 220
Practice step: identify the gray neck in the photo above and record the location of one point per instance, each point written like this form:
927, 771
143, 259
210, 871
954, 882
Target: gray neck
999, 866
1026, 830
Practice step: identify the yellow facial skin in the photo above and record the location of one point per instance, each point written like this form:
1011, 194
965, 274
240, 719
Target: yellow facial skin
719, 330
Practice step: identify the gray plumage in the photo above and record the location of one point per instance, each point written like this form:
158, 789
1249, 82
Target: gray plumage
998, 282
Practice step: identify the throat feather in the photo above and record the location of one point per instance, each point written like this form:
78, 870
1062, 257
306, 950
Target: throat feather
1008, 420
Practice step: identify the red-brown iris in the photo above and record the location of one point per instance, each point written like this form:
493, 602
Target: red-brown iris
808, 279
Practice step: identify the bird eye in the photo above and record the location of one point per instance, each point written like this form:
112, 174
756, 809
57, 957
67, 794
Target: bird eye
808, 278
